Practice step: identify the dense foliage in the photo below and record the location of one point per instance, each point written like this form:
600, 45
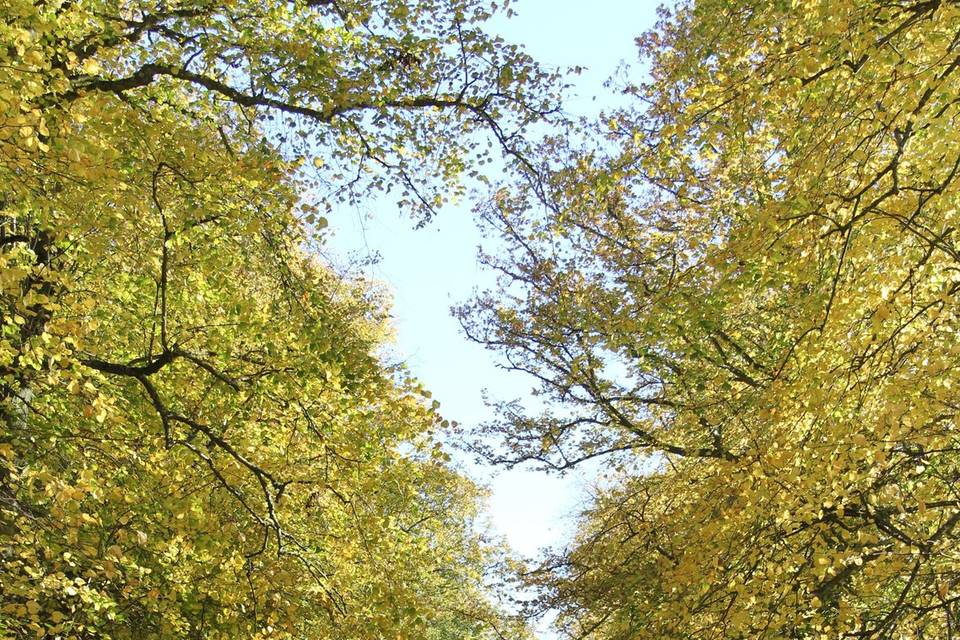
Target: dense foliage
743, 298
200, 437
750, 306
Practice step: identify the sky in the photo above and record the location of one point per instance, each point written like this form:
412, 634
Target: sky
429, 270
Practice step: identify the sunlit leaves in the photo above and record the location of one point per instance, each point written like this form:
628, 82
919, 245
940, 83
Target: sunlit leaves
199, 436
753, 279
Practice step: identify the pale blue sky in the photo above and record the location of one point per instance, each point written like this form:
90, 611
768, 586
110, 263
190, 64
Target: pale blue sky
429, 270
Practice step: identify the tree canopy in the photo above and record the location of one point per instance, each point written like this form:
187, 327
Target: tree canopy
201, 436
745, 298
740, 294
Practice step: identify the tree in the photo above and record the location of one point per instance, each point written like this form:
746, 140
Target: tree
200, 435
745, 298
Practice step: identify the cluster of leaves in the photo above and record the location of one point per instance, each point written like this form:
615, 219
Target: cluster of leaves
199, 438
755, 296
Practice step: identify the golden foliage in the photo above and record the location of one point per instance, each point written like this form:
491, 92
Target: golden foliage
199, 438
755, 279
